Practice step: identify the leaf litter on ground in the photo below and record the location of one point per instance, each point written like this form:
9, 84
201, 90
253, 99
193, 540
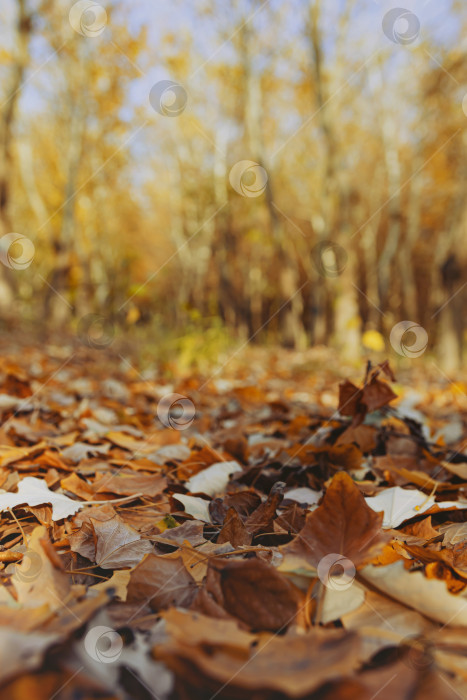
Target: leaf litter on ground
292, 541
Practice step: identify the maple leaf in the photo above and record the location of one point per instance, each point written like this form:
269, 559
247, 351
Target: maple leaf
400, 504
293, 665
37, 579
108, 541
127, 484
374, 394
195, 506
233, 530
117, 545
213, 479
257, 594
161, 581
343, 524
35, 492
239, 549
262, 518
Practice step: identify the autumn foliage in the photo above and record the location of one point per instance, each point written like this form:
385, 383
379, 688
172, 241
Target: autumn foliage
267, 546
217, 222
346, 217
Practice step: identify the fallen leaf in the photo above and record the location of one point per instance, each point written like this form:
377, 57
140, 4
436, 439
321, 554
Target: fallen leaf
22, 651
262, 518
410, 677
421, 530
343, 524
303, 495
9, 455
292, 665
35, 492
383, 622
191, 531
79, 487
37, 580
400, 504
233, 530
127, 484
429, 596
357, 402
117, 584
161, 581
453, 534
362, 435
118, 546
198, 629
257, 594
213, 479
80, 450
291, 519
338, 603
195, 506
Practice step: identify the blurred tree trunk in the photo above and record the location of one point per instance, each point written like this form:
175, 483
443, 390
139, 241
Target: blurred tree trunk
65, 247
26, 163
450, 262
290, 315
345, 320
223, 240
8, 113
392, 199
452, 295
405, 253
451, 326
178, 232
369, 241
9, 108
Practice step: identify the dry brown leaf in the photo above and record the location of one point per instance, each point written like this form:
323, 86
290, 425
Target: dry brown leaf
118, 546
294, 665
160, 582
262, 518
357, 402
233, 530
257, 594
362, 435
127, 484
36, 579
343, 524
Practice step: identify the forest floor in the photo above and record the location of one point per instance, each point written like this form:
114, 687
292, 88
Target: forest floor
284, 527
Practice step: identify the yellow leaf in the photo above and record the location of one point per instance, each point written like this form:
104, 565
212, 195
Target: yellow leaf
373, 341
